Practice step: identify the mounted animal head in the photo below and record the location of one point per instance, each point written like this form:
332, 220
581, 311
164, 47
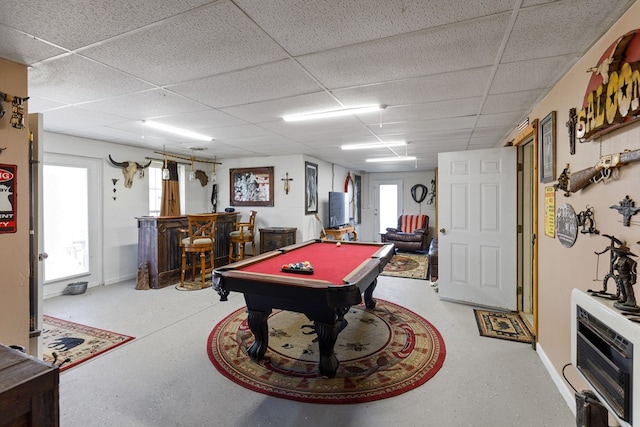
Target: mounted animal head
129, 170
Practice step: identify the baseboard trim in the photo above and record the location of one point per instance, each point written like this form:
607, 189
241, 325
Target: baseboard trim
565, 391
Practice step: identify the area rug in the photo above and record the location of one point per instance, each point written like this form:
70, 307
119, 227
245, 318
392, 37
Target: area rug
407, 265
382, 352
67, 344
502, 325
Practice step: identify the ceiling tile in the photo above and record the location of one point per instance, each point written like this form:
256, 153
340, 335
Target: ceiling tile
74, 79
310, 26
439, 87
146, 105
531, 74
72, 24
510, 102
274, 110
453, 47
206, 41
580, 22
264, 82
22, 48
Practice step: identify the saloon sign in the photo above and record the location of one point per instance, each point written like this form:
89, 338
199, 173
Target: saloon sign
612, 98
7, 199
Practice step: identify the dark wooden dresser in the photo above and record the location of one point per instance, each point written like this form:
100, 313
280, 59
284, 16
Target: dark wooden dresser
28, 390
159, 246
272, 238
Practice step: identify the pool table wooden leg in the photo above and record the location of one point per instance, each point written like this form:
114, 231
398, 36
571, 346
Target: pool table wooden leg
327, 336
369, 301
258, 324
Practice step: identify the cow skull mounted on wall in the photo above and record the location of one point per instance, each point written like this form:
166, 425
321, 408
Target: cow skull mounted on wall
129, 170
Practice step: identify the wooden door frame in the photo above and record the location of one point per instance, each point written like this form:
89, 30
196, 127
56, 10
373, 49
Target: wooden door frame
531, 132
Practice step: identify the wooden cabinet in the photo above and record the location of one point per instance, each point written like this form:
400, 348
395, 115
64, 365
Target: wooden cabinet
159, 246
272, 238
28, 390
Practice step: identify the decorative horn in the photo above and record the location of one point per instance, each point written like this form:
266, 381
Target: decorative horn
120, 164
143, 166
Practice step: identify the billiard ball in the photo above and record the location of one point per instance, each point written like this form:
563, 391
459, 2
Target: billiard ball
338, 244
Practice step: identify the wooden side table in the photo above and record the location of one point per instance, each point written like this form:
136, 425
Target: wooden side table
28, 390
337, 233
272, 238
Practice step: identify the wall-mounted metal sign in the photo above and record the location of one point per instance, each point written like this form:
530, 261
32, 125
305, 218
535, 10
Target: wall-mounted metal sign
8, 196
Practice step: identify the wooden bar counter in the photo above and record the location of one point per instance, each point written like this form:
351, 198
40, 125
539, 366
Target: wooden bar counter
159, 246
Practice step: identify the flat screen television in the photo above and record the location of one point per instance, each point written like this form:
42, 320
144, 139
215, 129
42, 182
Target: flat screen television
338, 209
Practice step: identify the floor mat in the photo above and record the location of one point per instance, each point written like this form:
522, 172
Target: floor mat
67, 344
502, 325
410, 266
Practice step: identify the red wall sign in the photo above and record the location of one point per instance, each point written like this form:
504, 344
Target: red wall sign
612, 98
8, 198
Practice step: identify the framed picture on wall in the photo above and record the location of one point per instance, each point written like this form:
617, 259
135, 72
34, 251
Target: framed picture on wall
547, 150
310, 188
251, 186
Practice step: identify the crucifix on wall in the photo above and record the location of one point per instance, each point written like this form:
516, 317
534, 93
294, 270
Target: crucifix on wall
286, 183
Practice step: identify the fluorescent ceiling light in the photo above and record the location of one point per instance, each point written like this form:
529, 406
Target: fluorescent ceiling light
333, 113
177, 131
374, 145
391, 159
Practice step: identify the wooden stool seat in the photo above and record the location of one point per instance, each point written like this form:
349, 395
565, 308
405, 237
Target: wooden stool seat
243, 234
199, 241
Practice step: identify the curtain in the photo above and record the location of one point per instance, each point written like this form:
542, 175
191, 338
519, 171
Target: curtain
171, 192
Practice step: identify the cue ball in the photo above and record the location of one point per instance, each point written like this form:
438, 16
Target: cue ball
338, 244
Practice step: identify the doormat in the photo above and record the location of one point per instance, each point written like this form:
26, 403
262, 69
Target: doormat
382, 352
502, 325
67, 344
410, 266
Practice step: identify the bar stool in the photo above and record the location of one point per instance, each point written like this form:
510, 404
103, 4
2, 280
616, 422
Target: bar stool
199, 240
242, 235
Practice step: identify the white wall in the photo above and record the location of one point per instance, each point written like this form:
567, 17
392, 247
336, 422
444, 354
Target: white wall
119, 228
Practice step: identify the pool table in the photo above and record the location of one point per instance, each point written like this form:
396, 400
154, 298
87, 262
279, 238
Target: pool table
342, 272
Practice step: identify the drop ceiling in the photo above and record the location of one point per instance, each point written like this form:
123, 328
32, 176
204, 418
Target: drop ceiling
453, 75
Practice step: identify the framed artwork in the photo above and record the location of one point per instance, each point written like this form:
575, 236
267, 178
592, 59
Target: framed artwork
251, 186
310, 188
547, 149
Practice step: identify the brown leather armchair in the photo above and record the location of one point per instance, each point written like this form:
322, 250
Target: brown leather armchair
411, 234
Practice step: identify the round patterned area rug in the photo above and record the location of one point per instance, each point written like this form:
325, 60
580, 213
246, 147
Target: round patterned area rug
382, 352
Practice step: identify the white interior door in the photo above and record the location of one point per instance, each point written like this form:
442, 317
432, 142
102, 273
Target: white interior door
388, 202
477, 252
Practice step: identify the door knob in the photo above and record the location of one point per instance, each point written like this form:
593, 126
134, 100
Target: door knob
43, 256
442, 230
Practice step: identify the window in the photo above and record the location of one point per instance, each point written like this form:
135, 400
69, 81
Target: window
155, 188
